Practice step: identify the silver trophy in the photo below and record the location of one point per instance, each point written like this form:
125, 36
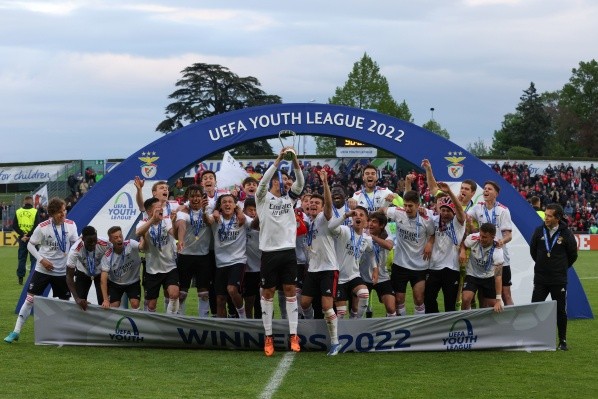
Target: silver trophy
289, 150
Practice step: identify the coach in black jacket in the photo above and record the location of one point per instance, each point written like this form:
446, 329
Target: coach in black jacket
554, 250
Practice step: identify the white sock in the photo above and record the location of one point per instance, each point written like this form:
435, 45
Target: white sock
166, 300
332, 325
401, 311
341, 311
267, 310
24, 313
362, 304
173, 306
420, 309
203, 306
308, 313
145, 307
241, 313
299, 309
282, 305
391, 314
182, 303
292, 313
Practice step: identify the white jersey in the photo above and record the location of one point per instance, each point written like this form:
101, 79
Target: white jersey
87, 262
411, 238
447, 240
230, 240
374, 200
123, 269
254, 255
320, 245
480, 265
349, 249
55, 243
376, 258
278, 227
337, 213
160, 253
499, 215
198, 234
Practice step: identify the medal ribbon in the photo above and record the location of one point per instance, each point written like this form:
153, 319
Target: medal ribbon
356, 248
156, 235
548, 243
196, 225
91, 262
60, 241
224, 229
371, 207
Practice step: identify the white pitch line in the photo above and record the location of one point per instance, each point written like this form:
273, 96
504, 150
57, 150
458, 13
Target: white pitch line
281, 370
588, 278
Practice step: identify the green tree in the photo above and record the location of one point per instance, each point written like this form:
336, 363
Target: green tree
576, 119
435, 127
478, 148
206, 90
529, 127
365, 88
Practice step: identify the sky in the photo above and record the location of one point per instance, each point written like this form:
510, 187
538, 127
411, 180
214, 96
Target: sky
90, 79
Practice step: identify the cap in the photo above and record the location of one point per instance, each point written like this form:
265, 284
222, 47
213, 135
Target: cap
446, 201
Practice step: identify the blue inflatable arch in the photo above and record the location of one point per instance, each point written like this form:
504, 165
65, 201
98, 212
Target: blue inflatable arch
176, 152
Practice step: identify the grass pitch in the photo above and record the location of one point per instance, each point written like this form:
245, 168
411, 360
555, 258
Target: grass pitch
30, 371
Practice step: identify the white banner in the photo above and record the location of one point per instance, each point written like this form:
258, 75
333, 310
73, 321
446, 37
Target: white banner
30, 173
527, 327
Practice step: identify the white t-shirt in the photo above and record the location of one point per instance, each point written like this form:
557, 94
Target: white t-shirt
374, 200
349, 249
50, 237
230, 240
412, 236
479, 264
79, 258
499, 215
254, 255
278, 227
197, 235
447, 240
320, 245
377, 257
123, 269
160, 254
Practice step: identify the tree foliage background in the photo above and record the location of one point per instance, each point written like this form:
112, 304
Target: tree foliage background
562, 123
365, 88
207, 90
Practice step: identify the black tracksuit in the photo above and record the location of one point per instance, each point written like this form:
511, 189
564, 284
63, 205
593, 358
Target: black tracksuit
550, 272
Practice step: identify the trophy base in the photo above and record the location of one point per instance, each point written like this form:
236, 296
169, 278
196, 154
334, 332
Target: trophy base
289, 155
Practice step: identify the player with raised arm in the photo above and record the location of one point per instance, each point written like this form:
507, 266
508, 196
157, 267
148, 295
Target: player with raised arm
194, 238
373, 268
121, 266
321, 279
278, 235
351, 244
414, 241
444, 269
161, 269
229, 230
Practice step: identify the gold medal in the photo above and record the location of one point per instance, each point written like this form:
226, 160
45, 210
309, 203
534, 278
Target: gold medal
549, 254
92, 277
196, 238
